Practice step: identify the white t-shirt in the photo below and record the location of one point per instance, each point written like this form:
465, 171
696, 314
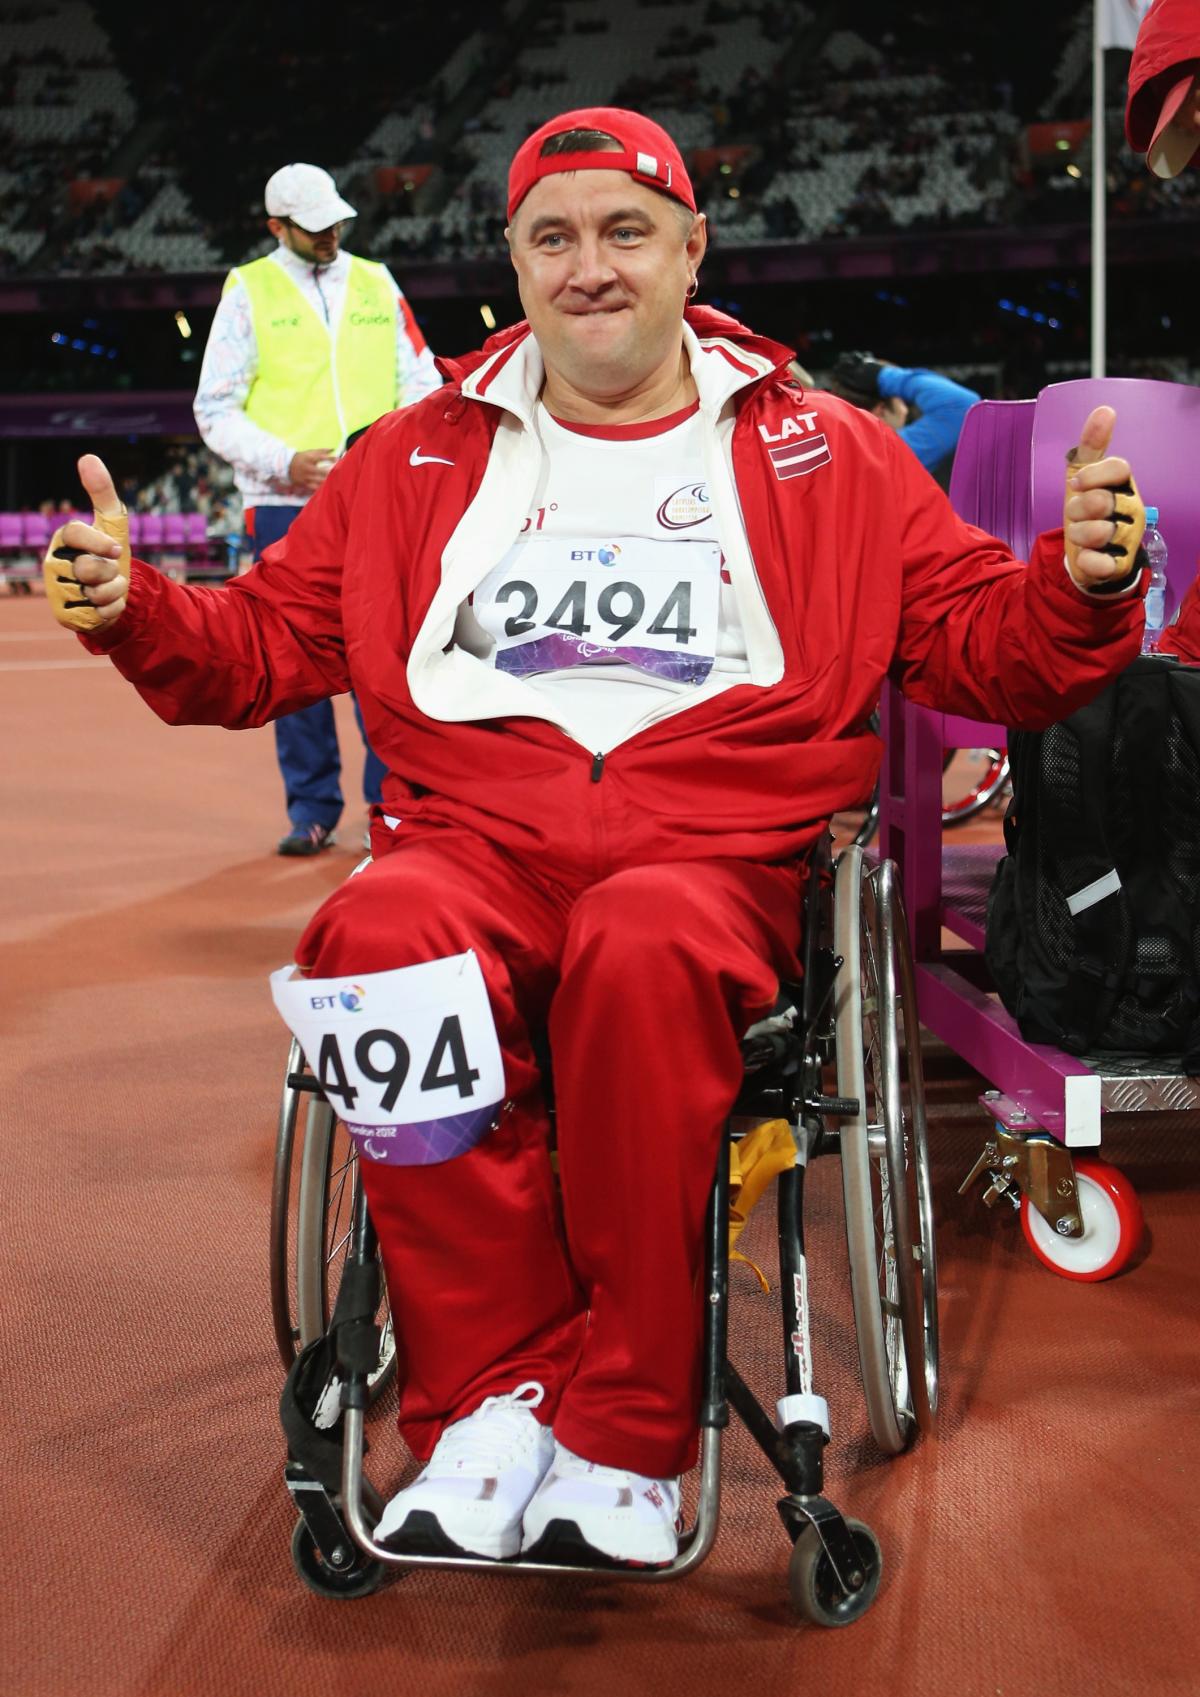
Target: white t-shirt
614, 599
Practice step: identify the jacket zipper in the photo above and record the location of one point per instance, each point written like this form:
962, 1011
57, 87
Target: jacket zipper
597, 768
331, 332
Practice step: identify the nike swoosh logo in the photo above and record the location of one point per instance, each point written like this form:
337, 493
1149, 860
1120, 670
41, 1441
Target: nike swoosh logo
418, 458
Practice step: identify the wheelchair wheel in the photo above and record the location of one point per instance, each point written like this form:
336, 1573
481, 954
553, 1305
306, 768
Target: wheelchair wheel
359, 1579
988, 789
885, 1158
283, 1281
813, 1584
328, 1189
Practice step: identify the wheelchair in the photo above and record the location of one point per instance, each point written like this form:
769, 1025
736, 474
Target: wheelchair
850, 1023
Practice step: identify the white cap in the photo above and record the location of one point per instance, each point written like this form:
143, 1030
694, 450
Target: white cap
308, 196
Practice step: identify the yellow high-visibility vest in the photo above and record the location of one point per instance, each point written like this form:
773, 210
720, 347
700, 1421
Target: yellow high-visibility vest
308, 393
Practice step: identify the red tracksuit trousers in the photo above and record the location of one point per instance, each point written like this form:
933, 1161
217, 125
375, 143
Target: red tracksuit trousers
646, 980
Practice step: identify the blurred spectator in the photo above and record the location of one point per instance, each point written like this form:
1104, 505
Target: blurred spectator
927, 410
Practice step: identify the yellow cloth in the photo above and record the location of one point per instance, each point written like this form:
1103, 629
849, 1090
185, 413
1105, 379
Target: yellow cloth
64, 591
762, 1155
307, 393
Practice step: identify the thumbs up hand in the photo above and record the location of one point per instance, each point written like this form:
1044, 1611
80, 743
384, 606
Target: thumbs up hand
1103, 516
86, 568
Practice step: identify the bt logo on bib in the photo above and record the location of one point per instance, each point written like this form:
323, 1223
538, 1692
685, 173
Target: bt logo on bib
352, 998
607, 556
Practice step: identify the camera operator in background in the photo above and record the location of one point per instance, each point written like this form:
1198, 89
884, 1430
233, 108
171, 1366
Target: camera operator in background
894, 392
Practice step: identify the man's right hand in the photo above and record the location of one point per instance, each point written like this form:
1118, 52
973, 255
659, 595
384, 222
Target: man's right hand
87, 565
310, 468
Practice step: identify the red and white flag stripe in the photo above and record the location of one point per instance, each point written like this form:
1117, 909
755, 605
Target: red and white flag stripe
795, 459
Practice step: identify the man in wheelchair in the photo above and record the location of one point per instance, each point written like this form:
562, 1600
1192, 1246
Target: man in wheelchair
617, 604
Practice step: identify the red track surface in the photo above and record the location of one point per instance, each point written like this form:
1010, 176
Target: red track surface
1044, 1543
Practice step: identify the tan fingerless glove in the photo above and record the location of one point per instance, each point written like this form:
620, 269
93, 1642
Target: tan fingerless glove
1129, 526
64, 591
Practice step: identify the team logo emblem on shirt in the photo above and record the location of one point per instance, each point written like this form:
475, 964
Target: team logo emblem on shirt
685, 507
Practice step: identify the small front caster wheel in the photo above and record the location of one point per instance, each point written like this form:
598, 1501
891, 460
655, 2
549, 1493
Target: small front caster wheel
1112, 1226
816, 1593
359, 1578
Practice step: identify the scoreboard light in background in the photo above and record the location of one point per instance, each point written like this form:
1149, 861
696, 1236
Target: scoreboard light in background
182, 325
80, 344
1033, 315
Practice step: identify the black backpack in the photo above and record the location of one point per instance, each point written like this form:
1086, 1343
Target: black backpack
1093, 919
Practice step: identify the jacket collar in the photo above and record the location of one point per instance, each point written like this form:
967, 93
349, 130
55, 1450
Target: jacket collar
298, 268
725, 358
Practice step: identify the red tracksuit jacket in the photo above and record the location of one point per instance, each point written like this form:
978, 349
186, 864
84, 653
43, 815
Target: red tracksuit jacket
862, 564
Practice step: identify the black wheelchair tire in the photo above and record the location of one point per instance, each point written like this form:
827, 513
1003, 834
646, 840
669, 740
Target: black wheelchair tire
283, 1297
362, 1577
327, 1192
884, 1156
813, 1585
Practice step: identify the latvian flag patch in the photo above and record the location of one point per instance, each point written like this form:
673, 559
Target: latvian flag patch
796, 459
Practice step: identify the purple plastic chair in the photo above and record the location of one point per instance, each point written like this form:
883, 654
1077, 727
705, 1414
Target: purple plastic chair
195, 528
174, 532
36, 531
11, 534
1157, 431
989, 485
150, 538
135, 529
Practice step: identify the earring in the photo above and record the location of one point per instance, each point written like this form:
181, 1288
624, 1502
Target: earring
693, 288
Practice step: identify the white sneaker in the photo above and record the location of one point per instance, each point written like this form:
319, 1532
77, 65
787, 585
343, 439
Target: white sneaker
582, 1510
471, 1495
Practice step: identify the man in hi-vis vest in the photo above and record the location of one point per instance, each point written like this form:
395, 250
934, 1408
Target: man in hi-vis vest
308, 346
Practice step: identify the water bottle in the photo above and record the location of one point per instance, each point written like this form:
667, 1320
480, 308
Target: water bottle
1156, 595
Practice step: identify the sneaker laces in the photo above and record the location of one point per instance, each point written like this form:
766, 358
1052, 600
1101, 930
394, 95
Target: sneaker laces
494, 1436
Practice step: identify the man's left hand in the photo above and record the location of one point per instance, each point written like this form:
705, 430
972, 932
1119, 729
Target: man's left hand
1103, 516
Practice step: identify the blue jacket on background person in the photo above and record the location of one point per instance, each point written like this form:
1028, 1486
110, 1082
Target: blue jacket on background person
892, 391
942, 403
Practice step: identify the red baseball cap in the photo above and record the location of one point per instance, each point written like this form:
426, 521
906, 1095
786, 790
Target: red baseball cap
1172, 146
646, 152
1165, 64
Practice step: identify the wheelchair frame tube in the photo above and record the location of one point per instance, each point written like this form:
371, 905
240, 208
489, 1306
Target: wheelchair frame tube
694, 1544
714, 1411
793, 1283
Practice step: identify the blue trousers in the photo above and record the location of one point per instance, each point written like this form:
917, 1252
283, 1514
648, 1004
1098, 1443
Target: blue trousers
306, 742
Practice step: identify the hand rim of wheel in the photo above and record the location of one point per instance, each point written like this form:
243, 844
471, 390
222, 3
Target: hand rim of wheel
314, 1303
860, 894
